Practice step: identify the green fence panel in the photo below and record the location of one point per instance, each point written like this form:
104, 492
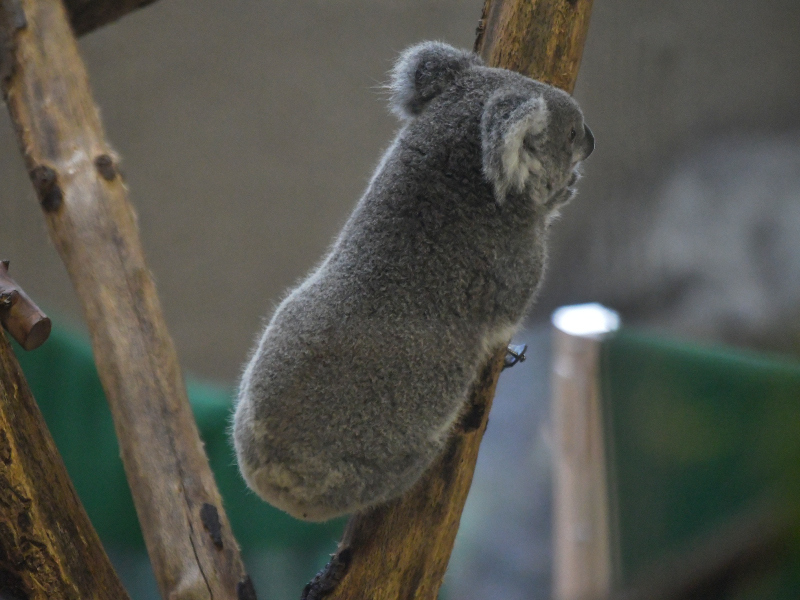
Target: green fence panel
695, 437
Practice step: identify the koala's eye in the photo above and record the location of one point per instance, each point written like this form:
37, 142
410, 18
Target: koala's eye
572, 134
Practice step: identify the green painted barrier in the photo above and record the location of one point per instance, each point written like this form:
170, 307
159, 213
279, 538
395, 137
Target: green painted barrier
696, 436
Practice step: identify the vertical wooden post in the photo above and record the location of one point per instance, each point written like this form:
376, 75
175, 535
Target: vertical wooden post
581, 533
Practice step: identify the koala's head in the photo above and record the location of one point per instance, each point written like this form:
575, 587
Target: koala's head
532, 135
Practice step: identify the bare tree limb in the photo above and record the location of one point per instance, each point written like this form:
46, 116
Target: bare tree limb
88, 15
401, 550
93, 226
543, 39
48, 548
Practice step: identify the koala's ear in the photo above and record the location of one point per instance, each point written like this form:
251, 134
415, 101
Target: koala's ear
512, 126
424, 71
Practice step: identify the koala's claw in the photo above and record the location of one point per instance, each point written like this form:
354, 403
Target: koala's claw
516, 354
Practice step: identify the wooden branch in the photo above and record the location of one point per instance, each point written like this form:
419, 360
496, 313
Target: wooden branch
401, 550
19, 315
88, 15
48, 548
93, 226
543, 39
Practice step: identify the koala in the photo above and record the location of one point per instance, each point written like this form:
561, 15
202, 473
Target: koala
364, 369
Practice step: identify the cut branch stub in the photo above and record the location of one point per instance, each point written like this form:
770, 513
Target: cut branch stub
19, 315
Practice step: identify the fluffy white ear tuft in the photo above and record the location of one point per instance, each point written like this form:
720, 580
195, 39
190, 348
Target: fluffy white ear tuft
422, 72
508, 120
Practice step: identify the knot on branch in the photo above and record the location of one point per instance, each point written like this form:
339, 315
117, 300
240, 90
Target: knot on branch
45, 181
105, 166
210, 518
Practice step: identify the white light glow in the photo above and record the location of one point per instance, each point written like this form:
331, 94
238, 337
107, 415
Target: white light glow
587, 320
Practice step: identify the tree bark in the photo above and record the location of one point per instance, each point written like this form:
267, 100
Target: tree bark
93, 227
542, 39
48, 548
401, 550
88, 15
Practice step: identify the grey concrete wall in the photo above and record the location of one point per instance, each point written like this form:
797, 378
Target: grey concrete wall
249, 128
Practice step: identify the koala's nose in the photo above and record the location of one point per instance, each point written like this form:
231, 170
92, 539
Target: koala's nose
589, 143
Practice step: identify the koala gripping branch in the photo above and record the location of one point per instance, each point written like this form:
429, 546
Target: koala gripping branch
93, 227
401, 550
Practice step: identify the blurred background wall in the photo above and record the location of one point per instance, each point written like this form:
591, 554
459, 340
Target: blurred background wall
248, 129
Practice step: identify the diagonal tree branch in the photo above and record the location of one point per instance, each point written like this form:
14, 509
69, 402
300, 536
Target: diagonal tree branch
93, 226
401, 550
48, 548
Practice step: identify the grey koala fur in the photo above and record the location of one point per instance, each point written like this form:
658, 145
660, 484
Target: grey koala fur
365, 367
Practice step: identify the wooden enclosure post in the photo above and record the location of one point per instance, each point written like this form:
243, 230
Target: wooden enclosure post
401, 550
581, 532
48, 547
93, 226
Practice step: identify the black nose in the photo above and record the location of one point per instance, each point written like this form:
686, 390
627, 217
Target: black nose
589, 143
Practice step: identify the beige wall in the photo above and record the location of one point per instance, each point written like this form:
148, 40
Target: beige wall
249, 128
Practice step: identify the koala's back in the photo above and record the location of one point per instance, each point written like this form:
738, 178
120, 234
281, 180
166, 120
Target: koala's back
387, 334
364, 368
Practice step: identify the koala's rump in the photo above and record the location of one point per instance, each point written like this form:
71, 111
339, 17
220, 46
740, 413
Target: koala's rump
351, 407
